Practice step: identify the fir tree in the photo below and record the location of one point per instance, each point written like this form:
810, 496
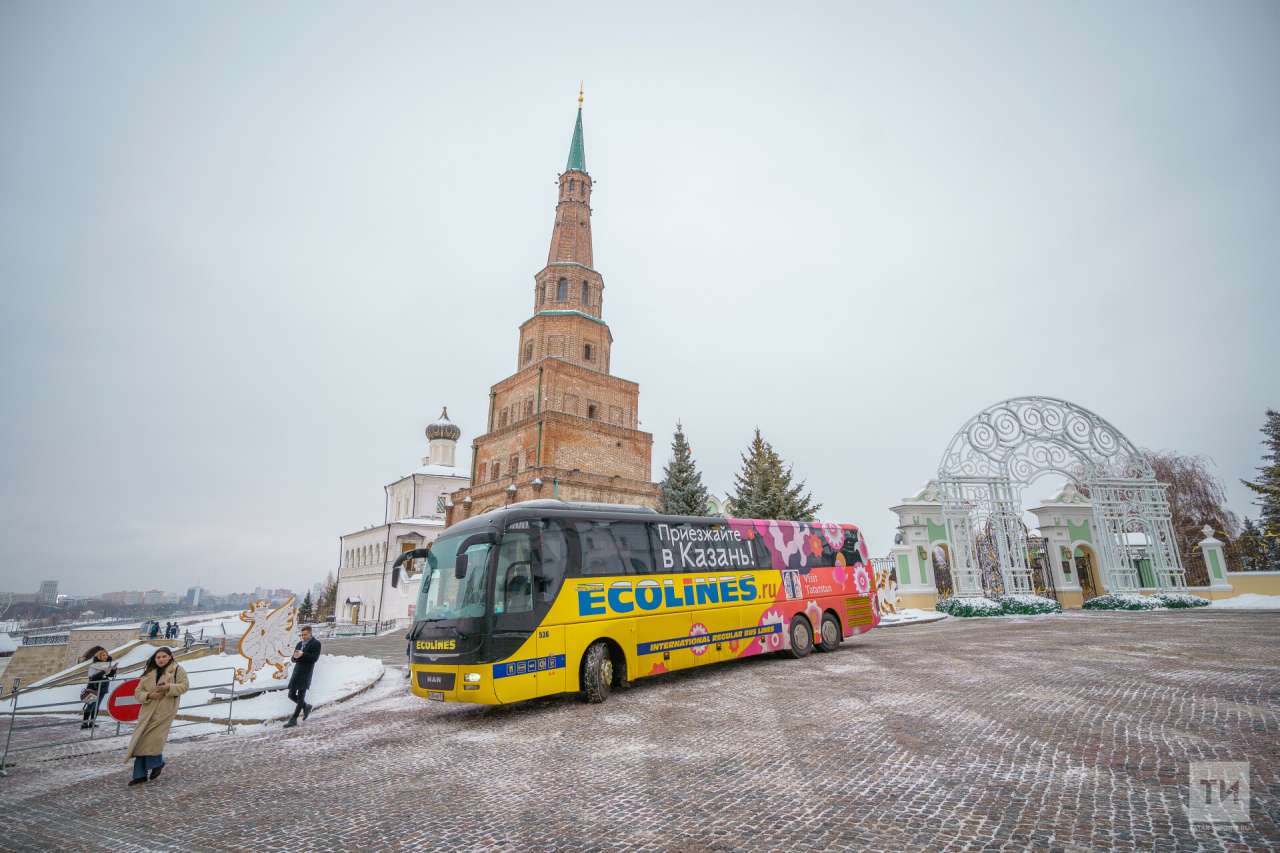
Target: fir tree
306, 608
1268, 485
681, 489
765, 489
328, 597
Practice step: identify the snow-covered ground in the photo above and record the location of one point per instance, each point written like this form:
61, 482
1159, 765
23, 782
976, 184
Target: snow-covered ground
214, 624
1249, 601
335, 678
908, 616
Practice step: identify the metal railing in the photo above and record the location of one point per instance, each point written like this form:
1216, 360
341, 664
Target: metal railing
46, 640
22, 632
76, 708
326, 630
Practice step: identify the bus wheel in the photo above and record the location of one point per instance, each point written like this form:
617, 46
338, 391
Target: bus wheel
597, 672
801, 637
829, 636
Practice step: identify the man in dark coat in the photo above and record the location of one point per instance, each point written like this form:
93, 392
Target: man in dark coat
305, 655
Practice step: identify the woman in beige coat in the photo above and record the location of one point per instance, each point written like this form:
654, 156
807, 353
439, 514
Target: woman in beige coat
163, 681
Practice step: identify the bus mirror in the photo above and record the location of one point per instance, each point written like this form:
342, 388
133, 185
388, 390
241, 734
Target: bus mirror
460, 568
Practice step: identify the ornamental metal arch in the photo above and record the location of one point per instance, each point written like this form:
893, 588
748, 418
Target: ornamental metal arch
1012, 443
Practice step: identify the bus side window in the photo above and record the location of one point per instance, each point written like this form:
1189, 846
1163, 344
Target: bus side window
513, 584
613, 548
850, 548
551, 559
632, 541
827, 558
764, 559
599, 556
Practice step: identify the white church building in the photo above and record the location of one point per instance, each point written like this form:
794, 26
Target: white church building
414, 516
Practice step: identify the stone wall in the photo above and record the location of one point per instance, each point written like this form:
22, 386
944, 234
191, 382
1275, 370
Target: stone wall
32, 663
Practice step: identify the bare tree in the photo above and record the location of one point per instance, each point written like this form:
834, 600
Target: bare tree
1196, 496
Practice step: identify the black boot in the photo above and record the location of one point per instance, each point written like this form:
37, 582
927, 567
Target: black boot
155, 771
306, 712
293, 721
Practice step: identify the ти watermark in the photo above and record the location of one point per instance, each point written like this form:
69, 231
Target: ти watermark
1219, 792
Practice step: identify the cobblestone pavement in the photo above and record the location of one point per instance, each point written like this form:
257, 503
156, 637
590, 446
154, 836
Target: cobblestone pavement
1067, 733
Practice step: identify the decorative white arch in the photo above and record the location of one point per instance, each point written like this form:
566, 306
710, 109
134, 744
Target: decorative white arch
1014, 442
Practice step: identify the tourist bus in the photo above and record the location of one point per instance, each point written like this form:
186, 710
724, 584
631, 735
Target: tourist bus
549, 596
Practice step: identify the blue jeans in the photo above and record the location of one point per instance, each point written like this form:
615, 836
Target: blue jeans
143, 763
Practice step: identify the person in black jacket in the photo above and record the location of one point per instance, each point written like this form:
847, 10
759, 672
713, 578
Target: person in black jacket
305, 656
101, 670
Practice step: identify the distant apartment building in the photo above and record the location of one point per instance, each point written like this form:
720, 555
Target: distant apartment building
48, 594
195, 595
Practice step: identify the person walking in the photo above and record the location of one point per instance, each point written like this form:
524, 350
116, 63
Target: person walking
101, 671
305, 655
163, 683
155, 629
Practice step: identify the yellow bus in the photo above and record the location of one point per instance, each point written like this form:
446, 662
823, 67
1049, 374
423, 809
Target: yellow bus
550, 596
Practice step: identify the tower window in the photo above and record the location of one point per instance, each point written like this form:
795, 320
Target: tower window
586, 352
562, 290
497, 470
513, 463
591, 412
571, 185
528, 408
528, 352
440, 504
542, 296
586, 293
502, 419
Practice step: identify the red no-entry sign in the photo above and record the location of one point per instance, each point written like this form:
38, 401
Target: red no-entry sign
122, 706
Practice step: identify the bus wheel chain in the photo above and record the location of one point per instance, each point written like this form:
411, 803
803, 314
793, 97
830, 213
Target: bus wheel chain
597, 672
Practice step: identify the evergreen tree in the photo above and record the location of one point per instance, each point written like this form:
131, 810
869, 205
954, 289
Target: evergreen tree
681, 489
306, 608
765, 489
1268, 485
1258, 551
328, 597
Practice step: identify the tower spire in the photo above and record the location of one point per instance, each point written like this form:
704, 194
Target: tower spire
577, 152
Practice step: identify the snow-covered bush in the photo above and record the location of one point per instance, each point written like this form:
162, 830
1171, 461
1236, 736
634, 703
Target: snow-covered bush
1027, 605
1178, 600
1124, 601
964, 607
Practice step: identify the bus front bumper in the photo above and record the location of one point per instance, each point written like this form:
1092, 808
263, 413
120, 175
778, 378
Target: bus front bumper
453, 684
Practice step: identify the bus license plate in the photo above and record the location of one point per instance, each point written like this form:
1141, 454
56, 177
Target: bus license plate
439, 697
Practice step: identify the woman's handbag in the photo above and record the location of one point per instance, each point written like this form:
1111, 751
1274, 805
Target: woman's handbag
89, 694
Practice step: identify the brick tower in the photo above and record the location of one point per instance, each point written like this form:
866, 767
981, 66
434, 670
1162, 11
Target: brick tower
562, 426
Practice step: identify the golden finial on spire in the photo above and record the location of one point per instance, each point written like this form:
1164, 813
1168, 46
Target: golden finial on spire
580, 94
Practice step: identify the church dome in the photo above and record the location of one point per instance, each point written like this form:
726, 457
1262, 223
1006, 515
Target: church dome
444, 428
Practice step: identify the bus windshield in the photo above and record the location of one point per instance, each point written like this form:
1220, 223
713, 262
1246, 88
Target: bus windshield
444, 596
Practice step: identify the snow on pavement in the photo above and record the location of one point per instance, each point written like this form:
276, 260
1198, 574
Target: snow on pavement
1249, 601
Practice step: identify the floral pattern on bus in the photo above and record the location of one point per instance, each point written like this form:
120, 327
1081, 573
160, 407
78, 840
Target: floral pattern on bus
699, 630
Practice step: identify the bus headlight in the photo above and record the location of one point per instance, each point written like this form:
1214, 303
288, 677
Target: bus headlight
471, 676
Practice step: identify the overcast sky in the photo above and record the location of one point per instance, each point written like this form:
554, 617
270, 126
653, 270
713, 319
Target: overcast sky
248, 251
